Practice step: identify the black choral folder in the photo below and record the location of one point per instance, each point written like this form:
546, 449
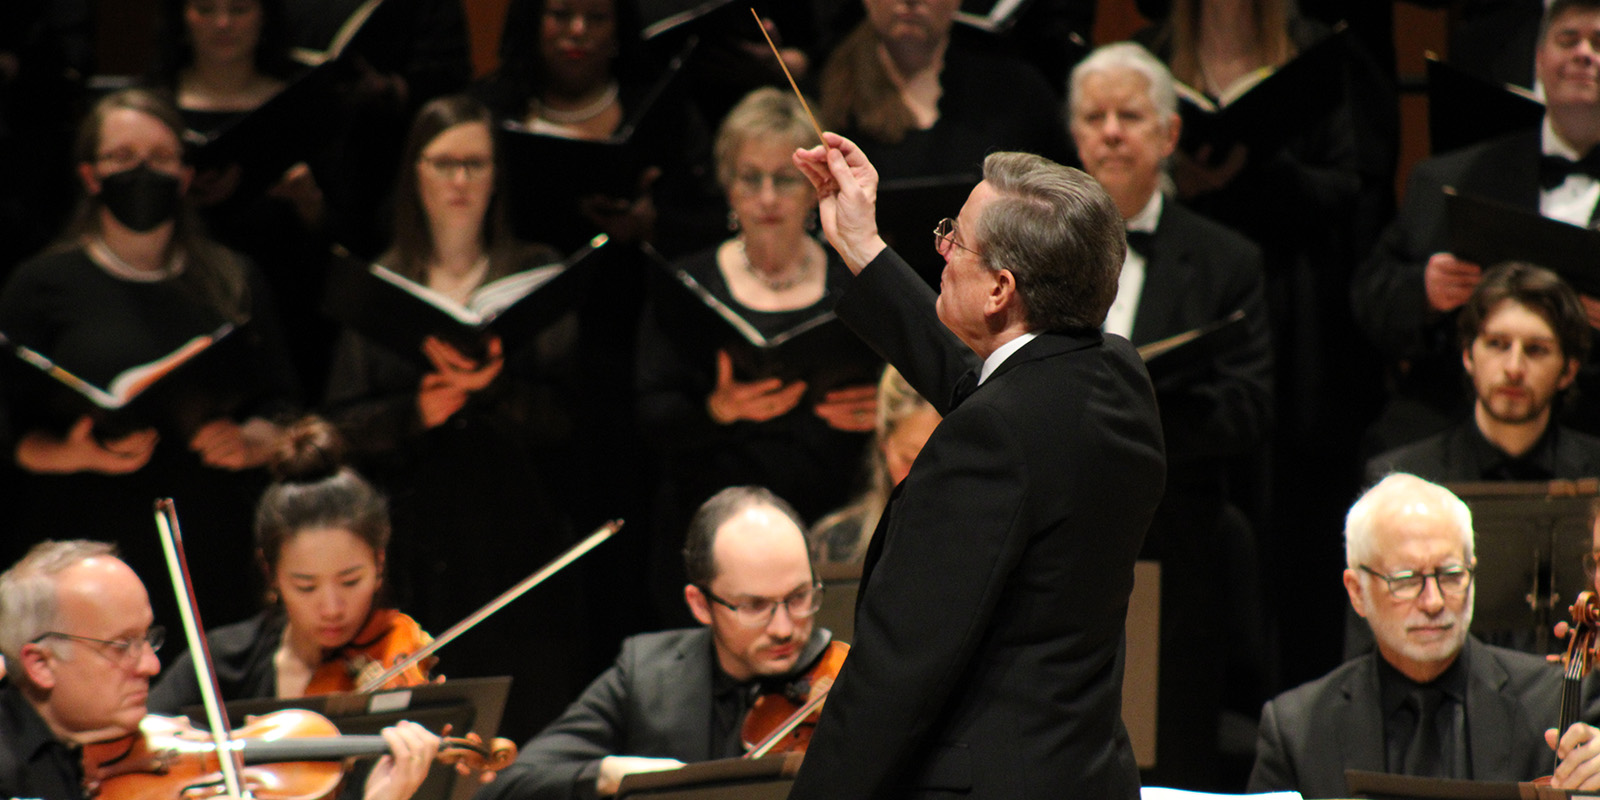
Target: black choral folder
204, 379
1488, 232
1465, 108
399, 313
549, 175
1194, 350
275, 136
1263, 115
820, 350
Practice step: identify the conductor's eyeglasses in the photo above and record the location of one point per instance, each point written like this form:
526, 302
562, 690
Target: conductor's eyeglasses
123, 651
1452, 581
944, 238
757, 612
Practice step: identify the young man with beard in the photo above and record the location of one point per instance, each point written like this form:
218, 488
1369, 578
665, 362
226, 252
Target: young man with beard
1523, 334
1432, 700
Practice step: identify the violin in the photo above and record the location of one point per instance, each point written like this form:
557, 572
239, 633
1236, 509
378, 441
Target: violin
388, 638
1583, 650
289, 755
782, 722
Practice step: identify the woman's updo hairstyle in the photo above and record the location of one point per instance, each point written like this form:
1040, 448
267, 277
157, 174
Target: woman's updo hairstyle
313, 489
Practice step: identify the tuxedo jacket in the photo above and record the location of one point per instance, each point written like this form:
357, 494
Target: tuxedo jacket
655, 701
1390, 302
1311, 734
987, 658
1197, 273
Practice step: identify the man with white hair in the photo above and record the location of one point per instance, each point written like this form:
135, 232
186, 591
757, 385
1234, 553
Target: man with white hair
1181, 272
1432, 700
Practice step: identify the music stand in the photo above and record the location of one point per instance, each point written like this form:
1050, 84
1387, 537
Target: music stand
1531, 538
466, 705
1383, 786
840, 584
767, 778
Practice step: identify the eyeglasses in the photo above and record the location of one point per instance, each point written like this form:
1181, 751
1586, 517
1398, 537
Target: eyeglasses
123, 651
1452, 581
757, 612
445, 167
944, 238
125, 158
782, 182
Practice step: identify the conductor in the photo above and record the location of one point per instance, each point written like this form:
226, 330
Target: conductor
988, 651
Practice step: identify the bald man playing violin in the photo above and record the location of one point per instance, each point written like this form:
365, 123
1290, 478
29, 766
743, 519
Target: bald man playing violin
79, 642
682, 695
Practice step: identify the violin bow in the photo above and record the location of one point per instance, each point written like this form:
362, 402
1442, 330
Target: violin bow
572, 554
230, 758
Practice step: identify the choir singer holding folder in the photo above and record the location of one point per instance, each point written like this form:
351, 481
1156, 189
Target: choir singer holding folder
131, 281
988, 652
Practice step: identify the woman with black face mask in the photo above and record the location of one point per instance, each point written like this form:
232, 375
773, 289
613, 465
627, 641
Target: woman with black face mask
130, 281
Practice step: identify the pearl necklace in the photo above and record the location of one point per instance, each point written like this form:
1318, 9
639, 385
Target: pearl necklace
109, 261
577, 115
800, 275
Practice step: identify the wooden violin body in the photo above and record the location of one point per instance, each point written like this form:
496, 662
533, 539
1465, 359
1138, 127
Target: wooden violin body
386, 639
288, 755
782, 722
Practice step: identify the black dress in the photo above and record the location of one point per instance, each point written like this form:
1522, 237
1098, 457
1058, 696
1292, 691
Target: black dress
478, 503
96, 325
798, 455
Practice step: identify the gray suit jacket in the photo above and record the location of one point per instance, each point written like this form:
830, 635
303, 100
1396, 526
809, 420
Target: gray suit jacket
1311, 734
654, 701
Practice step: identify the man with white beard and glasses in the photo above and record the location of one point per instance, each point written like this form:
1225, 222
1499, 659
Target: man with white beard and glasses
1432, 700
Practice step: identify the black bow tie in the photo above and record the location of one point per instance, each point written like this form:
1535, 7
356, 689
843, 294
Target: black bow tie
1140, 242
1553, 170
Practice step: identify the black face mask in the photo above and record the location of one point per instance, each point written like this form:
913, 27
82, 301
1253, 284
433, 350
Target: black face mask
140, 198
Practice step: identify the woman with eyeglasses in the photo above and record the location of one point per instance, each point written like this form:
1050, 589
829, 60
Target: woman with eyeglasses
711, 429
130, 281
322, 535
478, 451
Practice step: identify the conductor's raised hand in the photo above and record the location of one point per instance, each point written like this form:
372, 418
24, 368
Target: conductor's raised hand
756, 401
847, 197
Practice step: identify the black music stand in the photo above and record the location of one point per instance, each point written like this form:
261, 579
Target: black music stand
1531, 539
840, 585
1383, 786
466, 705
767, 778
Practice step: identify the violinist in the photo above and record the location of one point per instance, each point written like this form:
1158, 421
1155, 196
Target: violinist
1433, 701
80, 645
1578, 748
321, 535
682, 695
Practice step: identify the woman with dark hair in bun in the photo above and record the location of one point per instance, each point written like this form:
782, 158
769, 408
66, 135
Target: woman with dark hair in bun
322, 535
